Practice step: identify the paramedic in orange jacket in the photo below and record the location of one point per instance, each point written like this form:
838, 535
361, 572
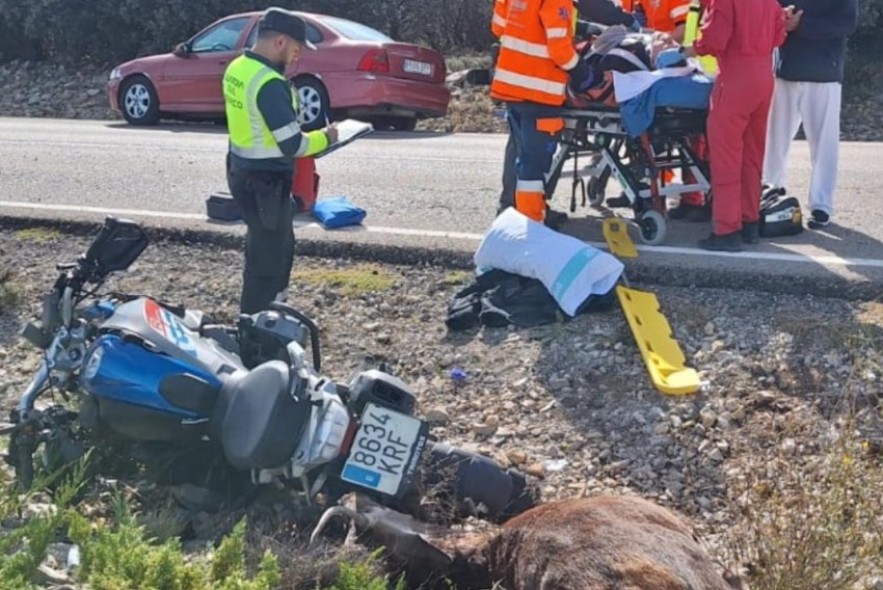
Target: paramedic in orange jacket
536, 62
742, 35
667, 16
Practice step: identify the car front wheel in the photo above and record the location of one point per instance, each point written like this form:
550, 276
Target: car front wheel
138, 101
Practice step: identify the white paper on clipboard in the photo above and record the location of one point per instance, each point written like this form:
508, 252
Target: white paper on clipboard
348, 131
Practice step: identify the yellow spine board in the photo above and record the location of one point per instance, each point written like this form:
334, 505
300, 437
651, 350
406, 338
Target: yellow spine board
661, 352
617, 237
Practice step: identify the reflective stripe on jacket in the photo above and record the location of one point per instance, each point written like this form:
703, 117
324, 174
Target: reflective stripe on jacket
250, 137
498, 22
536, 50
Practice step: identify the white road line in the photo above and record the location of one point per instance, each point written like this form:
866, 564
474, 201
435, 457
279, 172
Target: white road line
308, 225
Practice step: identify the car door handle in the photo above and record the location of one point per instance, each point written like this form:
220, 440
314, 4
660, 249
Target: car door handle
224, 62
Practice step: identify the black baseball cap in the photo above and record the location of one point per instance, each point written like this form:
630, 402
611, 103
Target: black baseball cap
287, 23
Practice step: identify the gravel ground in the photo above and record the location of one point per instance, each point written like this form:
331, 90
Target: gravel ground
569, 403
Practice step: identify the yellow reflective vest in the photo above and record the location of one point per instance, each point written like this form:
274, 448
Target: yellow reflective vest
692, 33
250, 138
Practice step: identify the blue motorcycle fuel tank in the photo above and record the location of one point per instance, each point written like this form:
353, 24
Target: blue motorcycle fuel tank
139, 347
127, 372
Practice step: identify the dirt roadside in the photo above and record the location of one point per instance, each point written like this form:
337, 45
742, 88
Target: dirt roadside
786, 377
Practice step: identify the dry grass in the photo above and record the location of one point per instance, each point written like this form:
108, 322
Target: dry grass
38, 234
353, 281
471, 111
457, 278
10, 294
813, 525
814, 519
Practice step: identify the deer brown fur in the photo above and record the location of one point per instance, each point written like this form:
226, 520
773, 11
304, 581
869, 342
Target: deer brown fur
597, 543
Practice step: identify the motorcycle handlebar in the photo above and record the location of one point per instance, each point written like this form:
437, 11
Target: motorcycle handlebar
311, 326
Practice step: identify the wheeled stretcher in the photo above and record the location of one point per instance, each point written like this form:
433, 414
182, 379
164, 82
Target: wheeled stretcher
597, 134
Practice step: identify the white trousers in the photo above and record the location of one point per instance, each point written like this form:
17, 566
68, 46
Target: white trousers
817, 106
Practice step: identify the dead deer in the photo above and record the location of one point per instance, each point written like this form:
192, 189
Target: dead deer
597, 543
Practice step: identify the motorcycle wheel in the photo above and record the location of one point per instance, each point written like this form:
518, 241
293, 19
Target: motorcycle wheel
200, 479
25, 452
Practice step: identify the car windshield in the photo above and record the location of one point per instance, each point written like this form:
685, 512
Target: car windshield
355, 31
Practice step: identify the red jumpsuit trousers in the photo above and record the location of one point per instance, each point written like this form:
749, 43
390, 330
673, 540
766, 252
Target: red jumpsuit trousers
737, 122
742, 35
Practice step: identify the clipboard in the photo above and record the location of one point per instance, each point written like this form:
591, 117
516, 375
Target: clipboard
348, 131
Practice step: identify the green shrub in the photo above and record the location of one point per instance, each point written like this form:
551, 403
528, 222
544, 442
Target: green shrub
119, 557
106, 31
90, 30
362, 576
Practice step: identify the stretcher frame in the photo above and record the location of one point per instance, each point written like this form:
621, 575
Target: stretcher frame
638, 164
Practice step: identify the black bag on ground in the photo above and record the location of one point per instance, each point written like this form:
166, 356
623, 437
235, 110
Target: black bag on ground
222, 207
780, 215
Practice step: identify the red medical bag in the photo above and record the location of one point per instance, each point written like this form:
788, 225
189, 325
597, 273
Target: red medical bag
305, 186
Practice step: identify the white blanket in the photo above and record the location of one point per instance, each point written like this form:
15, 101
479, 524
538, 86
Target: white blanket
570, 269
630, 84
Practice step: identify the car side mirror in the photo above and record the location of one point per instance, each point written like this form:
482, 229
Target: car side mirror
181, 49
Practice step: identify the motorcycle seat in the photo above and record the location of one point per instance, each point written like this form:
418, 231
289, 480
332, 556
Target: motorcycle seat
260, 419
189, 392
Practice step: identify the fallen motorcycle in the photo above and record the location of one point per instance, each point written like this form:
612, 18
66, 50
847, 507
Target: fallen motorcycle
170, 387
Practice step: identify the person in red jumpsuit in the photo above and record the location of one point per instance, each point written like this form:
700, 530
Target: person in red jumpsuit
742, 35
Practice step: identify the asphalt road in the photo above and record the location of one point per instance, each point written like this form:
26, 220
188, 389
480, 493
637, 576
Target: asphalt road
426, 190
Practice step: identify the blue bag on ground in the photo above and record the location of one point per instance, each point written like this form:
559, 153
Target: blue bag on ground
338, 212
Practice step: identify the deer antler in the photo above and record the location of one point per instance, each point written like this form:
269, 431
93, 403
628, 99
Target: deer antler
360, 520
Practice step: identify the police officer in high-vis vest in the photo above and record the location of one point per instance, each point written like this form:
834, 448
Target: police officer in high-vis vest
265, 137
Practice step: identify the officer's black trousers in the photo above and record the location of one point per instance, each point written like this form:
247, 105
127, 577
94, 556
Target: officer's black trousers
264, 199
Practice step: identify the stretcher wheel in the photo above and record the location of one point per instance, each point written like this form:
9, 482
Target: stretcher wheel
653, 227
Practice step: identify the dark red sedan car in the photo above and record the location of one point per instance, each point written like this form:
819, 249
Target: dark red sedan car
357, 72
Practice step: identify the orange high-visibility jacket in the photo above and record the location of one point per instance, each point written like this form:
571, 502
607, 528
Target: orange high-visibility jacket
536, 50
666, 15
498, 24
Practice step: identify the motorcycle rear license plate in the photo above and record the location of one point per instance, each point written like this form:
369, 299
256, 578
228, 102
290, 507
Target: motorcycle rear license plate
385, 451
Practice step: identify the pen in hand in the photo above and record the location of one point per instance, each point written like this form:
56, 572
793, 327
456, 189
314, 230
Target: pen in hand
330, 132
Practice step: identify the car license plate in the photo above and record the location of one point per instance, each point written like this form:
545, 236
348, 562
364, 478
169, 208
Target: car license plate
417, 67
385, 451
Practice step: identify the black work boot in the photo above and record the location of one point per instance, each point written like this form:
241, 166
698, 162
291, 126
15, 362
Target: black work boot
699, 214
555, 219
620, 201
689, 211
731, 242
750, 232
